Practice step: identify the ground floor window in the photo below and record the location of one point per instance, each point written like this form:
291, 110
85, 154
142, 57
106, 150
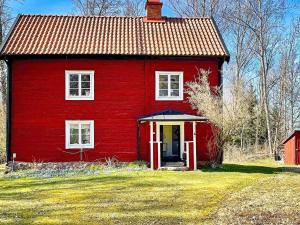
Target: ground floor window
79, 134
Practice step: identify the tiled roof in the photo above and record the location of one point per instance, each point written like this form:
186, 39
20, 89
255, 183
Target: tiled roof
94, 35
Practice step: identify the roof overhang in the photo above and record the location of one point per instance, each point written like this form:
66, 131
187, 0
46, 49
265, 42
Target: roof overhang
290, 135
172, 115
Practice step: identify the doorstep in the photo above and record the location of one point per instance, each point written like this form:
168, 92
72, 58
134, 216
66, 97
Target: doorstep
174, 166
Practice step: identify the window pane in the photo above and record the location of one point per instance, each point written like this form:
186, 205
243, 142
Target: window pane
85, 134
85, 92
174, 78
85, 77
163, 78
163, 85
174, 85
74, 139
175, 93
74, 84
74, 92
74, 77
85, 84
74, 134
163, 92
86, 139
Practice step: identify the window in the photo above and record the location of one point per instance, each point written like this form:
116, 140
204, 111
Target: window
79, 134
169, 85
79, 85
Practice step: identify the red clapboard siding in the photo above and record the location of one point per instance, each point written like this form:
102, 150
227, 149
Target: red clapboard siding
124, 91
292, 149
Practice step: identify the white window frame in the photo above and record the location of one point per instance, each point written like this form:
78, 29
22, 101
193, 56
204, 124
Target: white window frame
169, 97
67, 134
67, 84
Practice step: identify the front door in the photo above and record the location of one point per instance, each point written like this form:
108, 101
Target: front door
170, 137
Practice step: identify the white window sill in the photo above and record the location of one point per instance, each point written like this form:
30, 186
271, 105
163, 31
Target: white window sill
80, 147
80, 98
168, 99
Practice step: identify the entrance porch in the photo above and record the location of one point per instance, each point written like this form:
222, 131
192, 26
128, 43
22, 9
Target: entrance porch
172, 139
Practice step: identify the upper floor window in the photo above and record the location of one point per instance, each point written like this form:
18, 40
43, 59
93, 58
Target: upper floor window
79, 85
169, 85
79, 134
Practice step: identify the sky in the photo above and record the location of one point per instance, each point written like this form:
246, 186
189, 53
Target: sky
53, 7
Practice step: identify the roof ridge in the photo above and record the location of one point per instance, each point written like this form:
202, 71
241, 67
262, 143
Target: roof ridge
117, 16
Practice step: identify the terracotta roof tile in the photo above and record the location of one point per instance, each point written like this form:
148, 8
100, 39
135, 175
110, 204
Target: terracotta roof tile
87, 35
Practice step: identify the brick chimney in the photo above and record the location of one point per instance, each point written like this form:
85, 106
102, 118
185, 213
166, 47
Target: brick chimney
153, 8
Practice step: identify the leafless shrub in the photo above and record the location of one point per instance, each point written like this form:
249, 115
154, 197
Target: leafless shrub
228, 118
112, 162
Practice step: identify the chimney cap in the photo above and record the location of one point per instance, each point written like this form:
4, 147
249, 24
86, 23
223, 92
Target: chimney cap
153, 8
153, 2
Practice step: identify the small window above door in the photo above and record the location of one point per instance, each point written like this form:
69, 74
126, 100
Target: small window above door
168, 86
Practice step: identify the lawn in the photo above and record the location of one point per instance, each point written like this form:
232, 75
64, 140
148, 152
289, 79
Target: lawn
257, 192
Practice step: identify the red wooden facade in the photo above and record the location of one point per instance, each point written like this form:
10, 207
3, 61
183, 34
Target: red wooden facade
124, 91
292, 149
125, 57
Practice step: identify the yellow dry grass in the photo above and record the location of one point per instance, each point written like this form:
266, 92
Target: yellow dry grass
139, 197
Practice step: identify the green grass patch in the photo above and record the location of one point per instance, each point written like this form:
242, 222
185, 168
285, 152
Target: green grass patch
129, 197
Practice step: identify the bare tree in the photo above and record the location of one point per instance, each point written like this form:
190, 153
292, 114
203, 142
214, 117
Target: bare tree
195, 8
264, 26
98, 7
286, 91
133, 7
5, 22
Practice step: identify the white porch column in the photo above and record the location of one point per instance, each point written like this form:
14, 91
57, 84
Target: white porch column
159, 155
151, 145
194, 145
187, 148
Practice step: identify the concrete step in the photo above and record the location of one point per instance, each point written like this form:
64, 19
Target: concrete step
171, 168
173, 164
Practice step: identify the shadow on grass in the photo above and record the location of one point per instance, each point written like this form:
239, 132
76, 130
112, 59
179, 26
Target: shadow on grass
236, 168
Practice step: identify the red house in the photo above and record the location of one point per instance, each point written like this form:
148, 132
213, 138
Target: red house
89, 88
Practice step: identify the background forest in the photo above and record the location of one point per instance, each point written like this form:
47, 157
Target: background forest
261, 84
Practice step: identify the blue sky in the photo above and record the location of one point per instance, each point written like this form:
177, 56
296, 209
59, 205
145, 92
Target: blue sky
54, 7
41, 7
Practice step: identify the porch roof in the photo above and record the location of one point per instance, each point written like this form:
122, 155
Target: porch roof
171, 115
